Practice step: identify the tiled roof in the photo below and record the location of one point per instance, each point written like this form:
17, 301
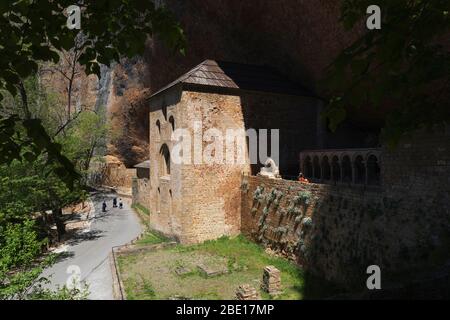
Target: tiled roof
217, 74
145, 165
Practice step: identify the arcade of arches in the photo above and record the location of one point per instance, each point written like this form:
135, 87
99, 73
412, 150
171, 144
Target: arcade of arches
348, 166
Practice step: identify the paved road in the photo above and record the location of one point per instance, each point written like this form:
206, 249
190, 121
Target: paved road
88, 250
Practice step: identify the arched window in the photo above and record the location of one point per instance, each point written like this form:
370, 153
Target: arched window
158, 125
373, 170
307, 167
346, 169
326, 169
336, 169
172, 123
164, 154
360, 170
316, 167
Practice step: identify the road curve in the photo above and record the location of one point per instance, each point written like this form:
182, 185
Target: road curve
88, 251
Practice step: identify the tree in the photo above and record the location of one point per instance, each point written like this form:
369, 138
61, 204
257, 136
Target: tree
35, 30
84, 137
406, 65
28, 189
21, 265
19, 248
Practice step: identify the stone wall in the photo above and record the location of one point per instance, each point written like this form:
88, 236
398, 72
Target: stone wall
201, 201
165, 192
336, 232
111, 174
141, 192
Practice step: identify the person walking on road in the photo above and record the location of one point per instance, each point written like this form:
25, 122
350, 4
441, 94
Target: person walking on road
120, 204
104, 206
115, 203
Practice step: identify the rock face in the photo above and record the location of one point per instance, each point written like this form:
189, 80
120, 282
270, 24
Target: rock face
127, 112
298, 38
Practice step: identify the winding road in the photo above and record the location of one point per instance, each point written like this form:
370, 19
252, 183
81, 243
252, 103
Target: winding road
87, 252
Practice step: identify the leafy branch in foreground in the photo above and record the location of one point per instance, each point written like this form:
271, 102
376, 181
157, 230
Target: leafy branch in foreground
404, 66
34, 31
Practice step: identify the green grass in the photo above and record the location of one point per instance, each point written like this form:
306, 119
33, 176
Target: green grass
143, 213
141, 208
246, 255
151, 274
151, 237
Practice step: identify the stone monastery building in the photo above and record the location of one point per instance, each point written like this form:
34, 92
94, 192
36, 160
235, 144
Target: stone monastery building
196, 202
364, 203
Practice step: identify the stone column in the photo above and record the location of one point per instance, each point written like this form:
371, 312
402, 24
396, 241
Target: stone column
271, 282
322, 170
246, 292
353, 172
366, 172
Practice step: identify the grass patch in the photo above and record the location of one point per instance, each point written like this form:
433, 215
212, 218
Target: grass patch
151, 237
143, 213
141, 208
243, 259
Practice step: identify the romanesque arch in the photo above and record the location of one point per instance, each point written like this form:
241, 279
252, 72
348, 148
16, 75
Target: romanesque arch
164, 160
349, 166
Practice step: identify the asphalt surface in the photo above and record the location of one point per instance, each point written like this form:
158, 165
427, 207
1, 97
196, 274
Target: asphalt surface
85, 256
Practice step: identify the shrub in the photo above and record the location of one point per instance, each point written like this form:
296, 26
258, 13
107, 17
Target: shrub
257, 195
307, 222
305, 197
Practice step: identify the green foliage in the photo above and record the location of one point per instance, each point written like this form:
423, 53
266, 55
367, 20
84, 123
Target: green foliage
34, 31
280, 231
20, 267
27, 191
141, 208
30, 143
19, 245
76, 292
28, 188
271, 196
152, 237
307, 222
405, 64
305, 197
258, 194
85, 134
